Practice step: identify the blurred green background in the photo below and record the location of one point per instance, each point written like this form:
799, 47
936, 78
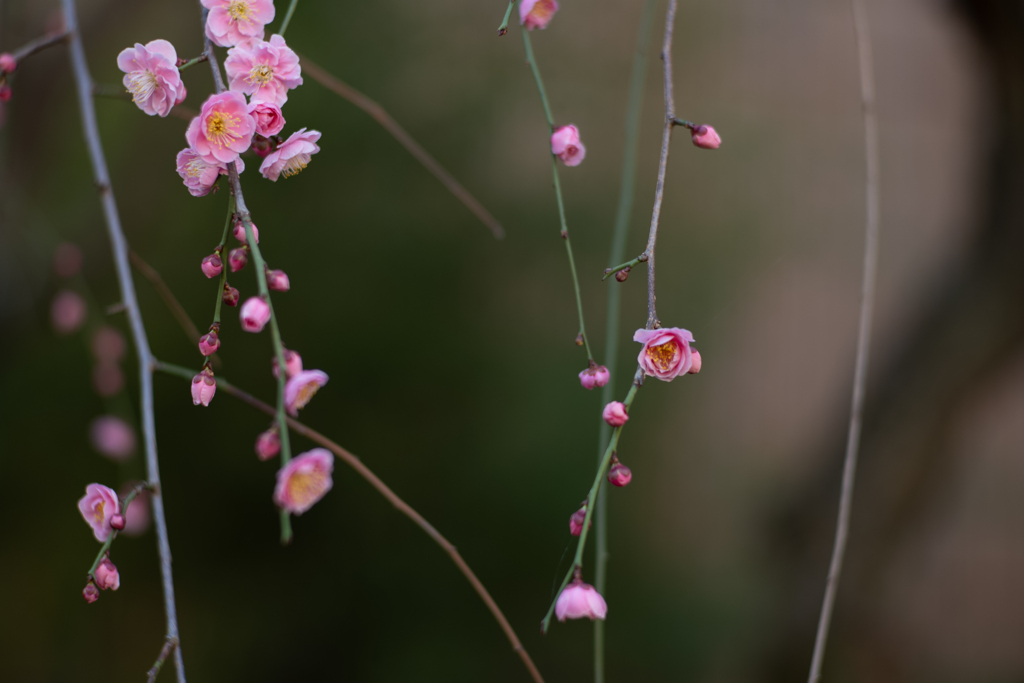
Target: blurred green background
453, 368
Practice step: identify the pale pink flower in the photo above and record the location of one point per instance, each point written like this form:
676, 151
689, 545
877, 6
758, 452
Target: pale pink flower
619, 475
8, 63
615, 414
212, 265
91, 593
292, 364
666, 353
268, 117
536, 13
265, 70
237, 258
301, 388
204, 386
67, 259
278, 280
231, 22
239, 232
107, 379
108, 344
580, 600
137, 516
566, 145
106, 576
694, 362
152, 77
113, 437
209, 343
594, 377
304, 480
291, 156
268, 444
706, 137
67, 312
255, 314
97, 506
576, 521
198, 175
223, 129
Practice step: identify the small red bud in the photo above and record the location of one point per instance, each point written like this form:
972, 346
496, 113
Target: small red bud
230, 295
622, 274
117, 522
237, 258
579, 339
91, 592
619, 475
5, 93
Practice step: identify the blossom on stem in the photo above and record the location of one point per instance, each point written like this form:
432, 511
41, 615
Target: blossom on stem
67, 313
230, 296
117, 522
301, 388
694, 362
152, 76
566, 145
209, 343
265, 70
8, 63
706, 137
237, 258
91, 593
619, 475
292, 364
268, 444
278, 280
239, 232
536, 13
212, 265
223, 129
577, 519
112, 437
198, 175
97, 506
304, 480
231, 22
666, 353
579, 600
594, 376
255, 314
204, 386
291, 156
106, 576
268, 117
615, 414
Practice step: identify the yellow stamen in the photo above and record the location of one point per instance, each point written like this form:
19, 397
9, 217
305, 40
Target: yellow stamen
220, 128
292, 167
97, 512
663, 355
308, 390
260, 75
239, 10
543, 10
195, 168
306, 487
141, 85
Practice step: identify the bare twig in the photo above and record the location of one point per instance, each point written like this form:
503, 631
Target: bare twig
83, 83
871, 153
169, 646
403, 507
379, 115
40, 44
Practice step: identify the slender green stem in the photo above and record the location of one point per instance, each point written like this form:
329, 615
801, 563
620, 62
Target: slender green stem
192, 62
558, 188
618, 247
503, 29
223, 256
113, 532
287, 18
628, 264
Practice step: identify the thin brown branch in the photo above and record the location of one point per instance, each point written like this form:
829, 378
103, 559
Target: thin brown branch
40, 44
871, 229
169, 646
379, 115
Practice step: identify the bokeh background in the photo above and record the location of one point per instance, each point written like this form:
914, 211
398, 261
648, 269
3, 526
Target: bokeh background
453, 368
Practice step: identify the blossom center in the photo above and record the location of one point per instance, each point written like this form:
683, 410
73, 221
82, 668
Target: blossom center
542, 10
306, 487
292, 167
239, 10
97, 512
141, 85
195, 168
308, 390
260, 75
220, 128
664, 355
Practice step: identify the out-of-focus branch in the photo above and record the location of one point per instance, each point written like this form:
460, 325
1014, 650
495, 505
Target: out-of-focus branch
117, 92
119, 246
169, 646
287, 18
871, 228
40, 44
503, 29
379, 115
177, 310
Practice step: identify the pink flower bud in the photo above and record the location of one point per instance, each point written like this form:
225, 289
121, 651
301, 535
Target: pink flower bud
230, 295
536, 13
239, 232
262, 146
67, 312
67, 260
107, 379
278, 281
5, 92
204, 386
106, 576
209, 343
694, 362
292, 364
113, 437
212, 265
566, 145
255, 313
619, 475
666, 353
268, 444
8, 63
97, 506
594, 377
91, 593
117, 522
268, 117
304, 480
706, 137
301, 388
615, 414
576, 521
580, 600
237, 258
108, 345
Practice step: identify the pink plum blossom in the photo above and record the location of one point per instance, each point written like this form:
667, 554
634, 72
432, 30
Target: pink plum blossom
268, 444
292, 364
204, 386
291, 156
706, 137
200, 176
113, 437
255, 314
566, 145
108, 344
265, 70
67, 259
152, 77
694, 362
268, 117
580, 600
212, 265
576, 521
301, 388
91, 593
223, 129
67, 313
594, 376
231, 22
536, 13
209, 343
278, 280
8, 63
615, 414
666, 353
619, 475
237, 258
304, 480
239, 232
106, 576
97, 506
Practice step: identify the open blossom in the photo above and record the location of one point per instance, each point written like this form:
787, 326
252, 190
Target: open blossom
152, 77
268, 117
231, 22
594, 377
107, 576
580, 600
301, 388
113, 437
204, 386
223, 129
67, 313
266, 70
536, 13
291, 156
97, 506
666, 353
615, 414
304, 480
566, 145
200, 176
254, 314
706, 137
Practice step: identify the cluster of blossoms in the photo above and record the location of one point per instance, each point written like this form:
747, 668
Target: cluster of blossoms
102, 511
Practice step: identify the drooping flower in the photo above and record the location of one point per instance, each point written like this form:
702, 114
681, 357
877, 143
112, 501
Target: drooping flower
97, 506
666, 353
152, 77
292, 364
107, 576
594, 377
615, 414
566, 145
268, 117
223, 129
266, 70
204, 386
268, 444
619, 475
706, 137
254, 314
209, 343
198, 175
301, 388
291, 156
304, 480
580, 600
536, 13
577, 519
231, 22
67, 313
113, 437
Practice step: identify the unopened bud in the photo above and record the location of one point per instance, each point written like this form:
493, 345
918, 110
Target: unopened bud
278, 281
262, 146
619, 475
239, 232
268, 444
209, 343
622, 274
204, 386
5, 92
212, 265
576, 521
237, 258
579, 339
106, 576
117, 521
230, 295
91, 592
7, 62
